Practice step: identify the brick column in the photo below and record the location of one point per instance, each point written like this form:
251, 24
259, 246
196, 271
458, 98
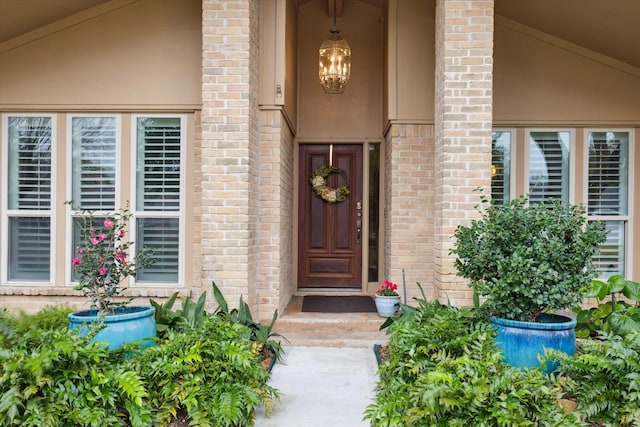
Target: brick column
230, 152
408, 219
463, 121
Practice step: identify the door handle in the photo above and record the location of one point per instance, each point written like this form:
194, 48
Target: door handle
358, 231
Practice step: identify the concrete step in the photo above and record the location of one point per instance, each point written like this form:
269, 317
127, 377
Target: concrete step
330, 329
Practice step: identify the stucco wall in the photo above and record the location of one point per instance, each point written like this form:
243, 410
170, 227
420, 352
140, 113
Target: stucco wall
357, 113
145, 55
543, 80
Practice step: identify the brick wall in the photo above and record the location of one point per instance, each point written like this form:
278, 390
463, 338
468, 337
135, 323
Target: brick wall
276, 279
229, 141
464, 75
408, 212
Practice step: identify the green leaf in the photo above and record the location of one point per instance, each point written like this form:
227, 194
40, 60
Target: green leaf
624, 322
616, 283
222, 302
632, 290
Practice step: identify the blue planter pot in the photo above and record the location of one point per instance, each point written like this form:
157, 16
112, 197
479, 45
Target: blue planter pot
522, 343
127, 324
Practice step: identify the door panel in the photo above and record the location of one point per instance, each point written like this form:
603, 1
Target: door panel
330, 244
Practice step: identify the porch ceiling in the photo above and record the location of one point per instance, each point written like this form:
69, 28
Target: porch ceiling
607, 27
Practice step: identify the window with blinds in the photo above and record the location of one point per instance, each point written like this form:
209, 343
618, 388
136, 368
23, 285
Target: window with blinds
608, 195
29, 178
500, 166
549, 165
162, 235
158, 184
158, 164
94, 162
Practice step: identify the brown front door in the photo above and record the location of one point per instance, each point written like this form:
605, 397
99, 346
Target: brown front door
330, 234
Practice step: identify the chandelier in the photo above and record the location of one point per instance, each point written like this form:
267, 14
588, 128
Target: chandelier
334, 60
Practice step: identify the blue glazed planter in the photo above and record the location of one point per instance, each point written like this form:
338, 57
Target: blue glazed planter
128, 324
387, 306
523, 342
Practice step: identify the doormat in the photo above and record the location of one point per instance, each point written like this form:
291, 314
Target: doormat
338, 304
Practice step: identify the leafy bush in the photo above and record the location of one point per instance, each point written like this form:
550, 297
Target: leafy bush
445, 370
192, 314
528, 258
617, 315
606, 379
263, 335
211, 371
50, 376
103, 263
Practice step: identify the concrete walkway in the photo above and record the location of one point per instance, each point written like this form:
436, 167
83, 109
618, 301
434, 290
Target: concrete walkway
322, 387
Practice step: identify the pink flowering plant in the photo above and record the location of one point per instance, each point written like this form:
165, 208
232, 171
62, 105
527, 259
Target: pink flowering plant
388, 289
102, 261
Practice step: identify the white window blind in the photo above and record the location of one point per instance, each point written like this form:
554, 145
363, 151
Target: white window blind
500, 166
94, 162
158, 184
608, 195
162, 235
549, 165
29, 176
158, 172
29, 248
608, 157
30, 163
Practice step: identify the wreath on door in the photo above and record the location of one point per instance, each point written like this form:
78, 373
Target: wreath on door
319, 179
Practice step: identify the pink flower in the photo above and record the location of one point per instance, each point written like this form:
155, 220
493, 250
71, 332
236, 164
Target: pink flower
94, 241
102, 271
103, 237
80, 251
75, 261
108, 223
121, 257
121, 234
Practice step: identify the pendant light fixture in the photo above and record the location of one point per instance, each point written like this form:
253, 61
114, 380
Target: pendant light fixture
334, 60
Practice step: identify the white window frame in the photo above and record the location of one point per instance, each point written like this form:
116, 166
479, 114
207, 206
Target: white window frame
161, 214
70, 214
512, 159
572, 159
628, 218
4, 207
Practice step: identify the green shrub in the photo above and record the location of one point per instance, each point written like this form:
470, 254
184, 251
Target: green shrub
616, 315
528, 258
50, 376
445, 370
606, 379
211, 371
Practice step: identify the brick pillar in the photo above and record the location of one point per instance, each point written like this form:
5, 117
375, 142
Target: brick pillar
463, 121
408, 219
230, 152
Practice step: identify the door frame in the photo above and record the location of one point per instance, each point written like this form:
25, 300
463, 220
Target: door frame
366, 287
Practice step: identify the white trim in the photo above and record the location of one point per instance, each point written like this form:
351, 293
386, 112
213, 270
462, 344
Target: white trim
161, 214
5, 213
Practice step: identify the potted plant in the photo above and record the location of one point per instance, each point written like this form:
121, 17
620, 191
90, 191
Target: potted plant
102, 266
527, 260
387, 299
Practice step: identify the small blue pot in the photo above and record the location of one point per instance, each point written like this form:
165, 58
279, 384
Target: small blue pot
127, 324
522, 343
